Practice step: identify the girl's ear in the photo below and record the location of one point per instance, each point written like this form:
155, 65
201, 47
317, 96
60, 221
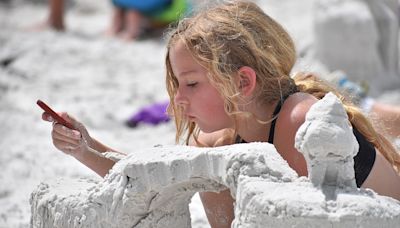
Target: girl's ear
247, 80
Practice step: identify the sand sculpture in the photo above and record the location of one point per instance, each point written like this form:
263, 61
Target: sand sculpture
330, 163
153, 187
359, 37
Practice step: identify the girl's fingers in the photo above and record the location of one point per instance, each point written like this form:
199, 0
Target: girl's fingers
47, 117
57, 138
77, 125
71, 122
67, 147
64, 138
67, 117
66, 132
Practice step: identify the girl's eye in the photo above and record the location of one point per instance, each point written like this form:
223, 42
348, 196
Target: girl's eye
191, 84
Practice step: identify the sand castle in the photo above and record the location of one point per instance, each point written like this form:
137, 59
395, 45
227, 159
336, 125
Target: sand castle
329, 163
153, 187
359, 37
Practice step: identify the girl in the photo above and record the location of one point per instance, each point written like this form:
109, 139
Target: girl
228, 79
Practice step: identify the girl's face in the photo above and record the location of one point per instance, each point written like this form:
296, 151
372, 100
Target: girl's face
201, 102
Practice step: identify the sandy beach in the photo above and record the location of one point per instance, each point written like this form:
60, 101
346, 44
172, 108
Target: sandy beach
100, 80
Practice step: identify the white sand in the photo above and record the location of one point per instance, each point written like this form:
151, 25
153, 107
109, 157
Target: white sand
328, 144
153, 187
99, 80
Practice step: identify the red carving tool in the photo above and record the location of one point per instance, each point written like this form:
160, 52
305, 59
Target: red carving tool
53, 114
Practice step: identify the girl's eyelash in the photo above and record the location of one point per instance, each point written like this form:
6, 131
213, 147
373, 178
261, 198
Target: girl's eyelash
191, 84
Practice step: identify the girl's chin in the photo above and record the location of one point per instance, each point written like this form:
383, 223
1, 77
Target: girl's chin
208, 129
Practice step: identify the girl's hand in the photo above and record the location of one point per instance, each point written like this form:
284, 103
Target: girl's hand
74, 142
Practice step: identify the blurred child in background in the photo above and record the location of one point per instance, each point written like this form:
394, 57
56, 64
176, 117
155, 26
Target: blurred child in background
130, 19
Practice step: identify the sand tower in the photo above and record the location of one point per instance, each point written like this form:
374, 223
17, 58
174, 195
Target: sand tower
359, 37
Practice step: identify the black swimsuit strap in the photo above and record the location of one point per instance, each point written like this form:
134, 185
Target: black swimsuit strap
272, 128
275, 117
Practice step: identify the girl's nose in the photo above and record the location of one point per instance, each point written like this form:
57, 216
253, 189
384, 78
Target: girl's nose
180, 99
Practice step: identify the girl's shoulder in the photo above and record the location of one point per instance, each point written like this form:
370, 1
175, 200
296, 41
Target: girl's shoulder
295, 108
291, 117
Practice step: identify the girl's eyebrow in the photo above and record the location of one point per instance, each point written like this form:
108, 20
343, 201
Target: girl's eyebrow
185, 73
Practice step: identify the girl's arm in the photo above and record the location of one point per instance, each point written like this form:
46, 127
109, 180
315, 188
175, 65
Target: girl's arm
218, 206
100, 147
383, 179
78, 143
95, 161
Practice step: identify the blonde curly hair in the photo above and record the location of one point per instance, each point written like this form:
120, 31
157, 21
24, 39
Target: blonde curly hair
234, 34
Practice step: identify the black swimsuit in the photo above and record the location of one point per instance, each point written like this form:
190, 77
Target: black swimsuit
363, 161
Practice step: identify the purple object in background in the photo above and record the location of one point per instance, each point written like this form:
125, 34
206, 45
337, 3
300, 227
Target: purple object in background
153, 114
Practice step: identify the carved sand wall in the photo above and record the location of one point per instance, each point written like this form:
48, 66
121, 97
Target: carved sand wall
153, 187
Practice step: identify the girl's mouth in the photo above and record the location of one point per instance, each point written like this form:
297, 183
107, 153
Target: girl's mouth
189, 117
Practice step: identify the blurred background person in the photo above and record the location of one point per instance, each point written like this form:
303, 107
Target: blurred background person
133, 18
130, 19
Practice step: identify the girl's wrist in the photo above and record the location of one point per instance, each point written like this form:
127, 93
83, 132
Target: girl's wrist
96, 145
101, 148
80, 154
85, 154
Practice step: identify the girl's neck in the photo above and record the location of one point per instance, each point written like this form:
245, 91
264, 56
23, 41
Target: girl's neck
252, 130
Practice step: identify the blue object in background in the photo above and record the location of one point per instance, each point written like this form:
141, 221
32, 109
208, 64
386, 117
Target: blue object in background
143, 6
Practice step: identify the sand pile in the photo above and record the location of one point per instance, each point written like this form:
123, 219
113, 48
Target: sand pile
153, 187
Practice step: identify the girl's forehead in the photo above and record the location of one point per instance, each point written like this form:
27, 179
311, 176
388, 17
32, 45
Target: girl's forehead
179, 52
178, 45
181, 59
